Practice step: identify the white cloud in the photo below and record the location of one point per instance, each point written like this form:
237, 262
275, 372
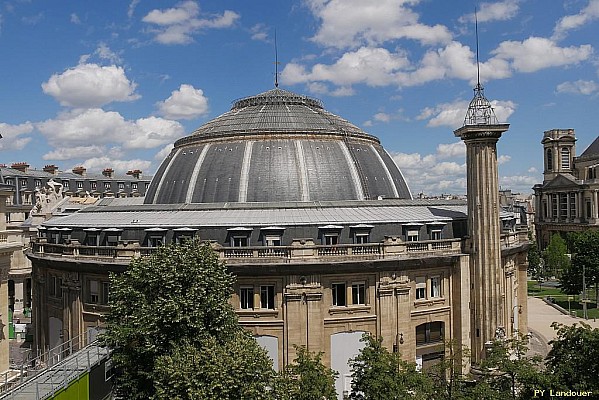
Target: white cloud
104, 52
518, 182
185, 103
165, 151
132, 7
372, 66
532, 170
90, 85
569, 22
536, 53
98, 127
497, 11
71, 153
382, 117
177, 25
75, 19
502, 159
452, 114
119, 166
259, 32
578, 87
450, 150
12, 136
352, 23
152, 132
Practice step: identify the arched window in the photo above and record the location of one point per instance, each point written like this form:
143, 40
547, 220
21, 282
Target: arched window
549, 160
565, 158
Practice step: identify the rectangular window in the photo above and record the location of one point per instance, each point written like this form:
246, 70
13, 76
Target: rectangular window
589, 209
272, 240
436, 286
331, 239
358, 293
94, 292
554, 206
134, 186
156, 240
246, 298
65, 184
79, 185
52, 286
106, 185
436, 234
420, 287
38, 183
121, 185
91, 240
94, 185
545, 212
10, 182
267, 297
563, 205
361, 238
572, 205
338, 291
105, 292
239, 241
412, 235
23, 183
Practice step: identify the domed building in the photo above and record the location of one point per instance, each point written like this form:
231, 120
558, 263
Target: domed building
318, 224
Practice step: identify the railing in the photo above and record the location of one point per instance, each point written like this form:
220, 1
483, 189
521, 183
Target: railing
300, 249
51, 371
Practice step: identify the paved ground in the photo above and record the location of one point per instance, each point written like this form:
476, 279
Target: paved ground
540, 317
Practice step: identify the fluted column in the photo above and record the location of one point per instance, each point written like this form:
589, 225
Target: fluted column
484, 230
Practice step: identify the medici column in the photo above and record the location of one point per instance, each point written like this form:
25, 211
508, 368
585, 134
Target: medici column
480, 133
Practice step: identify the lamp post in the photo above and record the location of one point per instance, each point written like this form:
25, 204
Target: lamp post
519, 307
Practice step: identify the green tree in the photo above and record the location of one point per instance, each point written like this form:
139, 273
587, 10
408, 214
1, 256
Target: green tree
556, 255
379, 374
306, 379
174, 334
535, 266
510, 372
573, 357
585, 257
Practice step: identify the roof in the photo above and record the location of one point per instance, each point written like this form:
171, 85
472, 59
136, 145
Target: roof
592, 150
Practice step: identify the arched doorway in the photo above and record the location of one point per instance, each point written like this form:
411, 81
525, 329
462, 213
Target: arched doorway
344, 346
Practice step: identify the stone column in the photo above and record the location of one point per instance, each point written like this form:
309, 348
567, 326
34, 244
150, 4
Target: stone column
483, 228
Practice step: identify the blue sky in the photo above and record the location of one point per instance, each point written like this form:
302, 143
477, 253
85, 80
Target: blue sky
114, 83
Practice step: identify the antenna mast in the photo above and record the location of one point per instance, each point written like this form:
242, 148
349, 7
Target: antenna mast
276, 62
477, 59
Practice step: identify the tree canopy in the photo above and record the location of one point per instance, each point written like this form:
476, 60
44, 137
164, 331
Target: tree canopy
174, 333
573, 357
555, 255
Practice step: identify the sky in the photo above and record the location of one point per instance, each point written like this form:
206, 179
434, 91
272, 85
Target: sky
114, 83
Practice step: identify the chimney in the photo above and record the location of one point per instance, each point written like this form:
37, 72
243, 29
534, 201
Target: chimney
52, 169
80, 170
108, 172
136, 173
20, 166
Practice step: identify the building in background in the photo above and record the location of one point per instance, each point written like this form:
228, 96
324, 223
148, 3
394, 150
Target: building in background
38, 195
316, 221
567, 200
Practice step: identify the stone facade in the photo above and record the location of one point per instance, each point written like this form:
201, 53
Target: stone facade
567, 200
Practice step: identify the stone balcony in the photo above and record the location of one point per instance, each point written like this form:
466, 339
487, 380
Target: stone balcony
300, 250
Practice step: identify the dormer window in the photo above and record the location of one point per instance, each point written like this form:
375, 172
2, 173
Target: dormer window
329, 234
412, 232
361, 233
239, 236
156, 236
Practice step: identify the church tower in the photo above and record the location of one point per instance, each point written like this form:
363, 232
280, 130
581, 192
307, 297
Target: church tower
559, 149
480, 133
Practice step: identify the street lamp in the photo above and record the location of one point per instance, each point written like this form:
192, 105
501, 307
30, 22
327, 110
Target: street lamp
519, 307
